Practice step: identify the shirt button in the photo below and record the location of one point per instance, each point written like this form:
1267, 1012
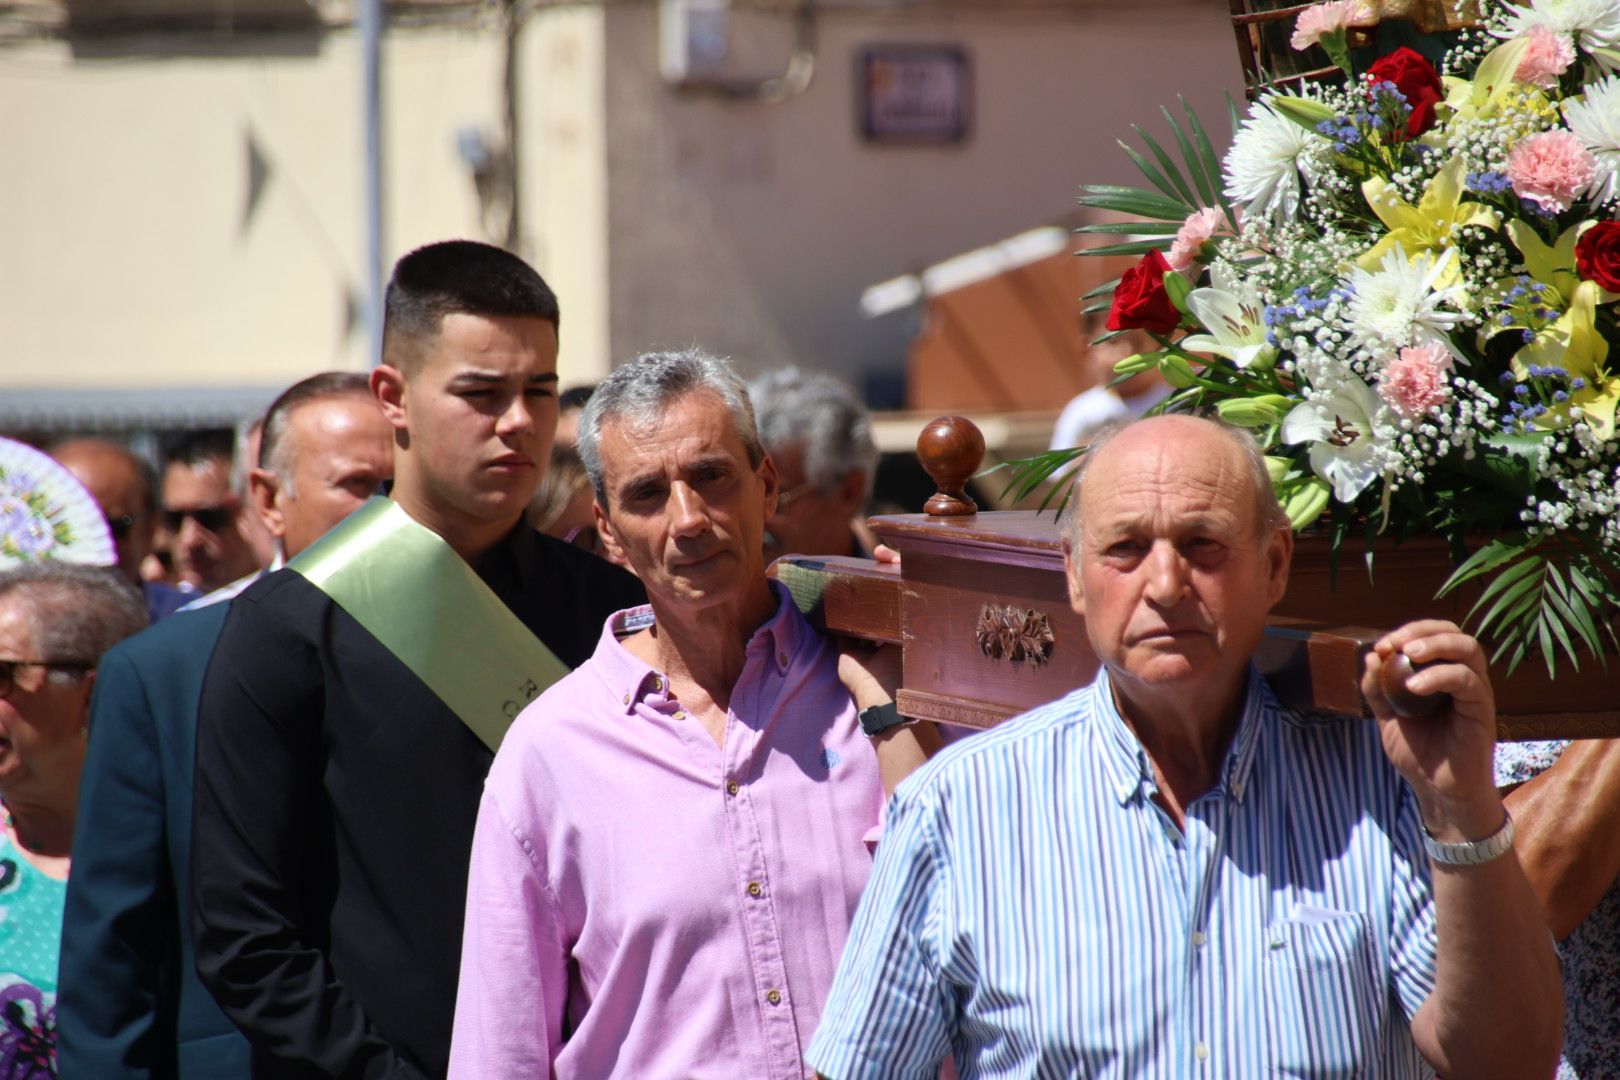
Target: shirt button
1200, 1051
1237, 788
627, 699
658, 684
754, 890
731, 787
1198, 938
774, 997
781, 658
680, 714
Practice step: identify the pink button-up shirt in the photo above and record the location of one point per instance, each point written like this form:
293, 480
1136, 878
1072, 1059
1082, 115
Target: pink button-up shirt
677, 906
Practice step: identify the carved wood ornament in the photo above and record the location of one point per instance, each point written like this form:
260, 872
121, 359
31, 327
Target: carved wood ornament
1019, 634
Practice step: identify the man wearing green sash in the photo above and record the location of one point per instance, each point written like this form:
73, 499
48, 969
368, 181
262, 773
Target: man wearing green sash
352, 704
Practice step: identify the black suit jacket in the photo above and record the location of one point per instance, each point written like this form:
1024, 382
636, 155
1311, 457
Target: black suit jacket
129, 1003
335, 805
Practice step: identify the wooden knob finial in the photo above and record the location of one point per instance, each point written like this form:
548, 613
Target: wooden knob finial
1392, 677
950, 449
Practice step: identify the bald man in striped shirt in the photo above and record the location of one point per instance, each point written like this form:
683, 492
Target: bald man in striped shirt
1166, 873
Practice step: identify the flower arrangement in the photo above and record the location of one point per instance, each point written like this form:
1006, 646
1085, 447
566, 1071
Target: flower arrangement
1406, 285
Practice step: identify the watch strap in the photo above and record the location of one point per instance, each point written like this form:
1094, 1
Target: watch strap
1472, 852
880, 718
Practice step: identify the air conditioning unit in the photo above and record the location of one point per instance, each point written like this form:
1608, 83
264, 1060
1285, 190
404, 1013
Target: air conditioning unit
694, 37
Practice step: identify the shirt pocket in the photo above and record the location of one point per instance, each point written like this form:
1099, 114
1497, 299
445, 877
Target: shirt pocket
1321, 994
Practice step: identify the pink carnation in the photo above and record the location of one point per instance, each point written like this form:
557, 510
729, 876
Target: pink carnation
1315, 23
1194, 233
1549, 56
1550, 169
1415, 381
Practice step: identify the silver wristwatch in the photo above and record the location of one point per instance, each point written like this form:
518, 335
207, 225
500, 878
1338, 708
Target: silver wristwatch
1472, 852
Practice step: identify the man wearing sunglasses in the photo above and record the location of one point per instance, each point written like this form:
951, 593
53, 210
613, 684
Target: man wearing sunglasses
125, 487
206, 520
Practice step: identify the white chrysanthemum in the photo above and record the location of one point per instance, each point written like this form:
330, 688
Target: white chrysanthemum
1262, 170
1594, 25
1595, 120
1399, 304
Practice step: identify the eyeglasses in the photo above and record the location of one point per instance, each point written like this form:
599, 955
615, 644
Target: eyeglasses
8, 672
212, 518
792, 495
119, 526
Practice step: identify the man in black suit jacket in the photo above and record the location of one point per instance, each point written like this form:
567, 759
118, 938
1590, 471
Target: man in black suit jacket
336, 793
130, 1004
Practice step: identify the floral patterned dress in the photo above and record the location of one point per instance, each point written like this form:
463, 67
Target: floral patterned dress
1591, 954
30, 942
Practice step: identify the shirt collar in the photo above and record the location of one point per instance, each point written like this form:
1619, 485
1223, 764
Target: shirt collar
630, 680
1130, 772
1257, 704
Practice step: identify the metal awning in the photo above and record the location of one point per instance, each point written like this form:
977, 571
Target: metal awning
60, 411
1001, 328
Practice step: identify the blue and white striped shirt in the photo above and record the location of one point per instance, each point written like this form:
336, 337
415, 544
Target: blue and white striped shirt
1035, 913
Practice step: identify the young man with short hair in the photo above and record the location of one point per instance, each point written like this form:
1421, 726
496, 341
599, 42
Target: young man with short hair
345, 728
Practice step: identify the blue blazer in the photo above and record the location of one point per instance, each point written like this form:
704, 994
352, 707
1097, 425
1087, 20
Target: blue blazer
128, 1000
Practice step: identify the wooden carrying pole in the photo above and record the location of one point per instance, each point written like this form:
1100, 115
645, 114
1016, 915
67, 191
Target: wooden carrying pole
979, 606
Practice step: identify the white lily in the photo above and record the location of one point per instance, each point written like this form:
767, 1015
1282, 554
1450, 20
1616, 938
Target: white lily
1234, 316
1339, 427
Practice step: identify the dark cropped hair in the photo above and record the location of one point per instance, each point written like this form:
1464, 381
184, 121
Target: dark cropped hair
327, 384
575, 397
457, 277
195, 449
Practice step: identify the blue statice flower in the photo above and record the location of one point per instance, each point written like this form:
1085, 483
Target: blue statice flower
1488, 183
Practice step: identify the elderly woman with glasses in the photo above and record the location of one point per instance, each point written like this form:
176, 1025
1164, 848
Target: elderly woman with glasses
56, 621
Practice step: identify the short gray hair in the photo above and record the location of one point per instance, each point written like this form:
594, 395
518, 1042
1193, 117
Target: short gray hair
822, 414
1269, 512
76, 612
640, 390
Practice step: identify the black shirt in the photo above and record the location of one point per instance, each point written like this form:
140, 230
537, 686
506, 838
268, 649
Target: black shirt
335, 804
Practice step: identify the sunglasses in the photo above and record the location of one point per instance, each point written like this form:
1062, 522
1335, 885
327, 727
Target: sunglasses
119, 526
212, 518
8, 672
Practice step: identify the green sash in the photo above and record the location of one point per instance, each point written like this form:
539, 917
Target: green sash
413, 593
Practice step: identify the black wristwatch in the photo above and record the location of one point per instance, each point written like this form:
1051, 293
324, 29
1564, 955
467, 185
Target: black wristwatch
880, 718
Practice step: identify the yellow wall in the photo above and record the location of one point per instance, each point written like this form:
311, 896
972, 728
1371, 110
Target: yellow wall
124, 256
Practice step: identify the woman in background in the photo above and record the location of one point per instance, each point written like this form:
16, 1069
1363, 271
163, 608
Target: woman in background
56, 621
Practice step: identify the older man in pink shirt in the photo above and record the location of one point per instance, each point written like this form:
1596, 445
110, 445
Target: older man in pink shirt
673, 838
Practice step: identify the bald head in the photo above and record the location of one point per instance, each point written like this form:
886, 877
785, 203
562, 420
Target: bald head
1192, 438
1172, 562
124, 486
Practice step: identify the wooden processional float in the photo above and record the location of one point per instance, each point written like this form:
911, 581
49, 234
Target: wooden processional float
979, 606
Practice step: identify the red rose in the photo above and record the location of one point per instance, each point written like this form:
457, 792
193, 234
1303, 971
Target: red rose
1141, 302
1417, 81
1597, 255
